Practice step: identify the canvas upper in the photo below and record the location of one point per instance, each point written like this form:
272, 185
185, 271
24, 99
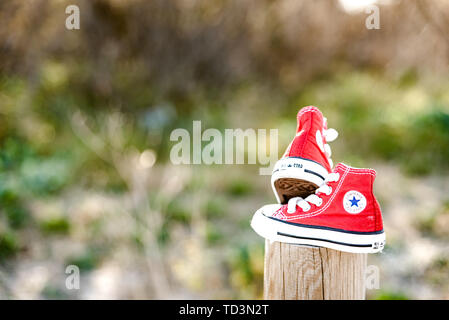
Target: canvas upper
345, 202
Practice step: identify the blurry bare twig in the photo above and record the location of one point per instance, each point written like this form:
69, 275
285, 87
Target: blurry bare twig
440, 24
110, 149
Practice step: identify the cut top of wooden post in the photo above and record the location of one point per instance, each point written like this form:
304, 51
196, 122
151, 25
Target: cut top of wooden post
295, 272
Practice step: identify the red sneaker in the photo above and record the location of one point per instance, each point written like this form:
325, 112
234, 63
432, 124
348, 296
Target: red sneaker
306, 162
343, 214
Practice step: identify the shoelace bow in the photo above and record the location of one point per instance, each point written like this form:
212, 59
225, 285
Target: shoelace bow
315, 199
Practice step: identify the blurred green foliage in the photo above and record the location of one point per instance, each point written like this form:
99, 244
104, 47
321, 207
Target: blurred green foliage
435, 223
87, 260
391, 295
247, 270
239, 188
178, 211
58, 225
8, 245
216, 208
437, 273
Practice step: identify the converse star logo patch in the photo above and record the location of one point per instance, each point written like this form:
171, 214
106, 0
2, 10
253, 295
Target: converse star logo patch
354, 202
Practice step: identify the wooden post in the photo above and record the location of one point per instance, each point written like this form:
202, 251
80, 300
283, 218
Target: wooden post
295, 272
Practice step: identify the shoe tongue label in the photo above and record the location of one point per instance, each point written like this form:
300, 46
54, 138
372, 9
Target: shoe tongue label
354, 202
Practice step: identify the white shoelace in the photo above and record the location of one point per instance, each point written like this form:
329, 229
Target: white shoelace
329, 135
304, 204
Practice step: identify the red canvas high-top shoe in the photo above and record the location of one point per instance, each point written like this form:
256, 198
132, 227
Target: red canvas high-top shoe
343, 214
306, 162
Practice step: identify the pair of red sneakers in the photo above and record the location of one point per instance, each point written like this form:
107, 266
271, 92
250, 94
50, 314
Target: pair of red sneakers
320, 206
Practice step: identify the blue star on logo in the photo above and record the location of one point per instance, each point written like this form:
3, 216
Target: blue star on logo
354, 202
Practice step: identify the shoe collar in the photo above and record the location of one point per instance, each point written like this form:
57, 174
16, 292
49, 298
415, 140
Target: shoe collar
342, 167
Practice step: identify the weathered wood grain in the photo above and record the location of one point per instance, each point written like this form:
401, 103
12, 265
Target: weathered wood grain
295, 272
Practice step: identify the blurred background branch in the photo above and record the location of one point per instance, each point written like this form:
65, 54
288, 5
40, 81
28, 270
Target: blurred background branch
438, 19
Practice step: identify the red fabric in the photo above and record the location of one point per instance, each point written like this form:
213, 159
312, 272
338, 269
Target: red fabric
310, 120
332, 213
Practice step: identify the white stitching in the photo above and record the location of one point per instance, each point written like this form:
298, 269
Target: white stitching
346, 172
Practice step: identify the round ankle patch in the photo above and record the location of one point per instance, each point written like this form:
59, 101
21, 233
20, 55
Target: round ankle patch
354, 202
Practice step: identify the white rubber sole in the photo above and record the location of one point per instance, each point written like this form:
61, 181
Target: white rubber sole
305, 171
281, 231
